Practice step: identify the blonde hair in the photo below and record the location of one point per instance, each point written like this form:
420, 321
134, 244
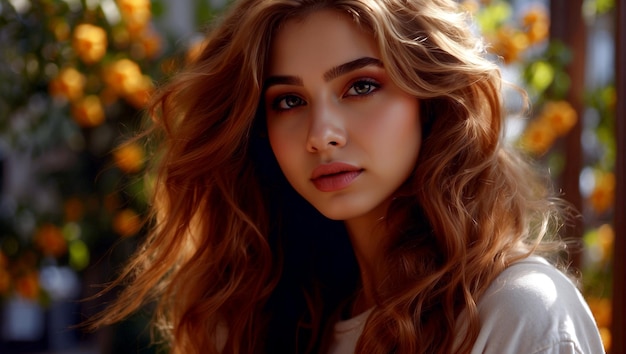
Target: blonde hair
214, 258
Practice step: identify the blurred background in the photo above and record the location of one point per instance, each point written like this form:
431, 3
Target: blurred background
76, 74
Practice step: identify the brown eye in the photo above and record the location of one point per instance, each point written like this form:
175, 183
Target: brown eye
288, 102
362, 87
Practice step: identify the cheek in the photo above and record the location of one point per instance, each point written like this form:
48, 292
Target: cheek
399, 126
398, 139
283, 147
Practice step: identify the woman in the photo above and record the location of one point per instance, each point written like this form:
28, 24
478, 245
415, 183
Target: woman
385, 117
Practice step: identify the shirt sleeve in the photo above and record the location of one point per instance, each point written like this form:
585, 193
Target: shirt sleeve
533, 308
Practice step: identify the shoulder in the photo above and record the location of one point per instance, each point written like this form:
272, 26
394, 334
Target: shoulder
534, 284
532, 307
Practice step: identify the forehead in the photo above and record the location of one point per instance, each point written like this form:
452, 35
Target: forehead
323, 38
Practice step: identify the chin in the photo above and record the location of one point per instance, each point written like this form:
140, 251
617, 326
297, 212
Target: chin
342, 213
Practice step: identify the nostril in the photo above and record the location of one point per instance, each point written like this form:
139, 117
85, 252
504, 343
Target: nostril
333, 143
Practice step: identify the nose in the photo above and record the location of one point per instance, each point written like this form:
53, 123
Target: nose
326, 130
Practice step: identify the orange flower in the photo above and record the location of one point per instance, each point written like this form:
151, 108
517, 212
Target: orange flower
151, 43
49, 239
90, 43
606, 237
510, 43
560, 115
129, 158
603, 195
136, 13
605, 334
126, 223
69, 84
601, 309
556, 119
88, 112
537, 24
74, 209
124, 77
28, 285
141, 95
537, 138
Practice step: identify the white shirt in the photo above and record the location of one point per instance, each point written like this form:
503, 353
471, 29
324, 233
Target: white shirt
530, 308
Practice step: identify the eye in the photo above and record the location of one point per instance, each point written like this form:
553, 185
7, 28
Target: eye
287, 102
362, 87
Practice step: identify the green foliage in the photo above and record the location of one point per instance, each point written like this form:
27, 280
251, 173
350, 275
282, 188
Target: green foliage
492, 17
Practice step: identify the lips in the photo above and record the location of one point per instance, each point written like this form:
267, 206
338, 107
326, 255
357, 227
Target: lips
334, 176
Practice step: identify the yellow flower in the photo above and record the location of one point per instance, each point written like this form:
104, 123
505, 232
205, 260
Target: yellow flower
28, 285
69, 84
129, 158
603, 195
49, 239
560, 116
537, 138
126, 223
90, 43
88, 112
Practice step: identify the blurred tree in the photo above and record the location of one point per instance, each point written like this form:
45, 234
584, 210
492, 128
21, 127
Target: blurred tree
74, 79
571, 128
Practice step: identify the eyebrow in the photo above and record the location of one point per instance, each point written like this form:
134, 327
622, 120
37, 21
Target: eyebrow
329, 75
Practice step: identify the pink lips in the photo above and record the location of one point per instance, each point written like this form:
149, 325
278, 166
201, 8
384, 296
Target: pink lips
334, 176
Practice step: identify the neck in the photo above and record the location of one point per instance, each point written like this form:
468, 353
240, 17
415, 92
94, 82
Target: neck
367, 235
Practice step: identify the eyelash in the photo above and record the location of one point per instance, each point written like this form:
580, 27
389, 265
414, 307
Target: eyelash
278, 103
373, 84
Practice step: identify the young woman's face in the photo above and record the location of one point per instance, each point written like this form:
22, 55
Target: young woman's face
345, 136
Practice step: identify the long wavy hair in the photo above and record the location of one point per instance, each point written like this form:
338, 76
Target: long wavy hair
236, 262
